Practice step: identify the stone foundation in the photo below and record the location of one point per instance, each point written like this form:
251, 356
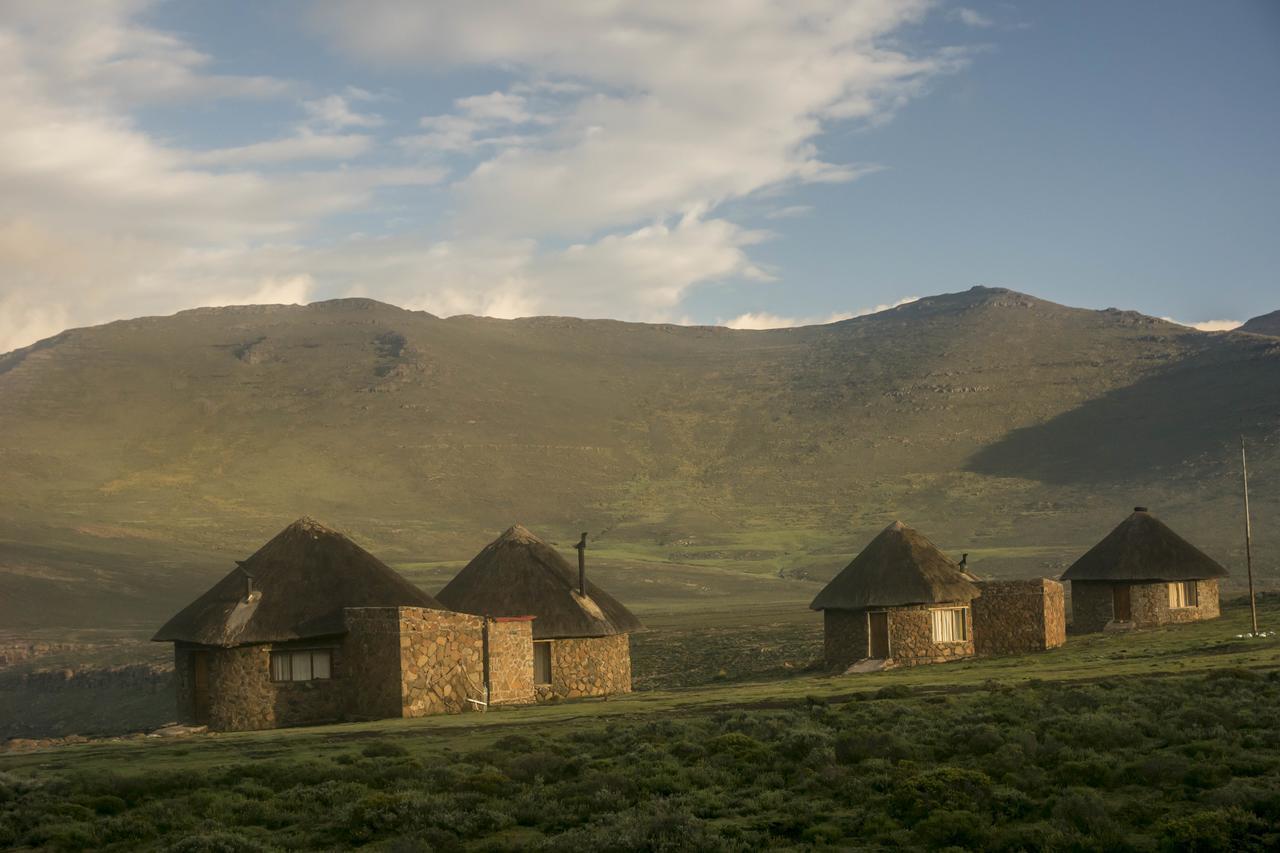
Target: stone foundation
392, 662
911, 638
510, 651
1092, 605
1014, 617
242, 696
844, 638
588, 666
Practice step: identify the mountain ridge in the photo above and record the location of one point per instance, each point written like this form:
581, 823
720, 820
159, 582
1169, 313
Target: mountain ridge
142, 454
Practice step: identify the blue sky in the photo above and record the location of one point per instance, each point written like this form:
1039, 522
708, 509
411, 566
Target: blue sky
743, 162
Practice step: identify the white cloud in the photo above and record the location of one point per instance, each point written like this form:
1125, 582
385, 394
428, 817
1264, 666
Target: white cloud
590, 185
765, 320
304, 145
334, 111
1209, 325
679, 106
790, 212
287, 290
971, 18
95, 53
481, 120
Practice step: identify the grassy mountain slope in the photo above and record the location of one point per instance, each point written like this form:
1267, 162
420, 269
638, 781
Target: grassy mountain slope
141, 456
1266, 324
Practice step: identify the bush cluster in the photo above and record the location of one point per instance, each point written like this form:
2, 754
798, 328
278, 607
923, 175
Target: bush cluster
1145, 765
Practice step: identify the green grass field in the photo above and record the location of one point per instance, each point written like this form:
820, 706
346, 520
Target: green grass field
1161, 739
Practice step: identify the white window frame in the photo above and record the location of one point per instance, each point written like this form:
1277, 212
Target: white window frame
542, 647
1183, 595
935, 617
286, 665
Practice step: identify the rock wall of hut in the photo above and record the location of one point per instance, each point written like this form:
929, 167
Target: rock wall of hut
589, 666
1149, 603
1093, 607
511, 661
392, 662
844, 638
911, 637
441, 661
242, 696
1014, 617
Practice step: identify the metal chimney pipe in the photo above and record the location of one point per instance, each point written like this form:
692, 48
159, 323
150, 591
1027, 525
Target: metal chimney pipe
248, 581
582, 565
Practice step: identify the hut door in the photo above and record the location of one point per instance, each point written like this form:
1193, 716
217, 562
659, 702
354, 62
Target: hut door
878, 627
1120, 603
200, 685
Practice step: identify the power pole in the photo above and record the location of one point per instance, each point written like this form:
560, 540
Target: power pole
1248, 537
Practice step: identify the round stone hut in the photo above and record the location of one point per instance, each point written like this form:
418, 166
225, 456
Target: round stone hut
901, 602
1140, 575
312, 628
581, 634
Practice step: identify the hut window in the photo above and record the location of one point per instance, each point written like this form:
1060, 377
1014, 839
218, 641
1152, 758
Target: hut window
542, 663
950, 625
1183, 594
302, 665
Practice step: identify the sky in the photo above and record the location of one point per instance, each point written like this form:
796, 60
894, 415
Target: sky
740, 162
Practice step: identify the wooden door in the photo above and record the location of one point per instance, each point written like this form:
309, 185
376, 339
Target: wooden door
1120, 603
878, 627
200, 687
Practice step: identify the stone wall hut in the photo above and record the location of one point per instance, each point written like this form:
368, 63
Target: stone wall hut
581, 642
312, 628
1140, 575
1013, 617
901, 601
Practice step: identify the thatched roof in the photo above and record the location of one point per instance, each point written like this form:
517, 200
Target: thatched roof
898, 567
302, 579
1143, 548
518, 574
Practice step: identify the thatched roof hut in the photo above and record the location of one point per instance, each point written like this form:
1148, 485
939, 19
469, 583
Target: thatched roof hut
899, 567
294, 587
518, 574
1143, 548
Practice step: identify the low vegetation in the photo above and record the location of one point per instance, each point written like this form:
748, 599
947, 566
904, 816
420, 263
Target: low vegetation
1160, 740
1185, 763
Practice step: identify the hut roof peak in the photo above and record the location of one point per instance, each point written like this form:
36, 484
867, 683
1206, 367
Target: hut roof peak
518, 533
898, 567
307, 524
519, 574
1143, 548
303, 578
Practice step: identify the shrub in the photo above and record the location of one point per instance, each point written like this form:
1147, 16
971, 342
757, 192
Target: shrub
1217, 830
941, 788
215, 842
384, 749
946, 828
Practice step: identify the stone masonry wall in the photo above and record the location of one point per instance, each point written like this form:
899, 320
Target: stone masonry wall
1149, 603
441, 661
372, 654
589, 666
844, 638
911, 638
184, 682
242, 696
1014, 617
510, 661
1091, 606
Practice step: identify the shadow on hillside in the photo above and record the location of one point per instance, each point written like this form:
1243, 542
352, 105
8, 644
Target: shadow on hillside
1168, 423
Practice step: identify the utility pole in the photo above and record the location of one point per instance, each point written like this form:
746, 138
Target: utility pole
1248, 537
